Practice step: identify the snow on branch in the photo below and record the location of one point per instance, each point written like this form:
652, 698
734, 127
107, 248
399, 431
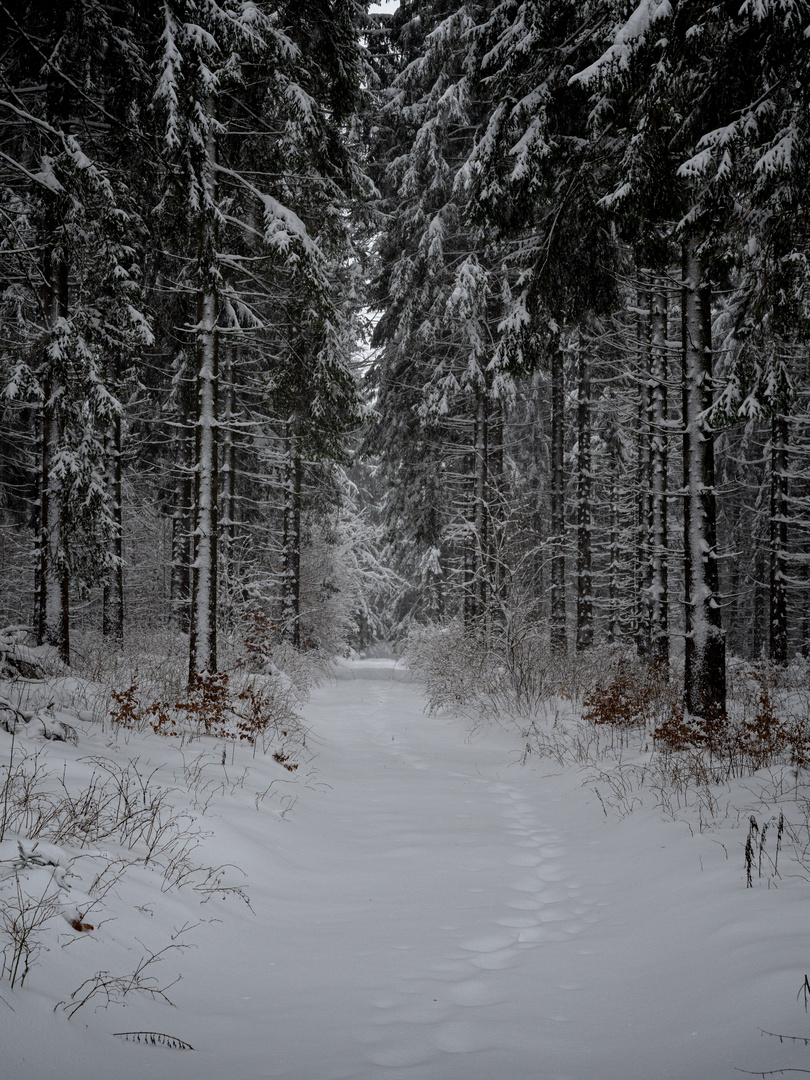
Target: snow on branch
282, 225
629, 36
779, 158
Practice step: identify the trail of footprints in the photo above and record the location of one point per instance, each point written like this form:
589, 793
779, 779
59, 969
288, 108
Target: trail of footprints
544, 904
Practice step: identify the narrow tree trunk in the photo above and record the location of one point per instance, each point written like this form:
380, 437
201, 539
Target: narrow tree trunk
53, 622
228, 475
614, 622
112, 616
643, 496
557, 538
777, 620
759, 613
53, 577
480, 513
584, 504
615, 468
182, 509
659, 466
203, 630
469, 538
704, 676
291, 541
804, 621
495, 508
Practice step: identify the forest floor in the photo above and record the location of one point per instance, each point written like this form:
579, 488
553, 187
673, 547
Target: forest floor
424, 905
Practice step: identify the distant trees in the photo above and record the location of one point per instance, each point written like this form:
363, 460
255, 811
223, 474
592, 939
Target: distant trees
579, 232
633, 181
71, 304
175, 250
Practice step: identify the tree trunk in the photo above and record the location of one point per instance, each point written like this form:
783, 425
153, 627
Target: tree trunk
758, 605
498, 584
704, 676
228, 476
112, 616
53, 615
659, 571
777, 592
480, 514
557, 538
291, 543
643, 567
203, 630
584, 504
182, 510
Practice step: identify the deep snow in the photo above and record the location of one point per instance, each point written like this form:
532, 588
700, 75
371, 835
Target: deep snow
432, 909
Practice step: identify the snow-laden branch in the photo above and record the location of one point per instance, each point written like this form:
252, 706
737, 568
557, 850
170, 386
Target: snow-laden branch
274, 211
628, 37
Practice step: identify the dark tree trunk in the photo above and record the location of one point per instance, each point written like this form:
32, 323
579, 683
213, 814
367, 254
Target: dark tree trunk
759, 607
777, 592
705, 672
480, 510
659, 467
557, 538
495, 571
643, 566
584, 504
182, 510
228, 476
112, 615
53, 615
291, 541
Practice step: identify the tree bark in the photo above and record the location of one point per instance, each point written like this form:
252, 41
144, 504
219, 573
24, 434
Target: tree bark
557, 538
53, 615
643, 567
291, 541
480, 514
203, 631
228, 477
777, 592
498, 583
704, 676
182, 510
584, 504
759, 613
112, 615
659, 465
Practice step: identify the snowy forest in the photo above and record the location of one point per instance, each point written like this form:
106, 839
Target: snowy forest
346, 322
344, 347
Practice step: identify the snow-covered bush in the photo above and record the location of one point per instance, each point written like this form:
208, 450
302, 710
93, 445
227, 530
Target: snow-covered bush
508, 673
509, 670
260, 710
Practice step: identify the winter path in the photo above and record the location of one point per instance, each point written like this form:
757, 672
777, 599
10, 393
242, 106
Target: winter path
434, 910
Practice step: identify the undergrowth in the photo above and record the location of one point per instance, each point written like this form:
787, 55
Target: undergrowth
622, 723
84, 806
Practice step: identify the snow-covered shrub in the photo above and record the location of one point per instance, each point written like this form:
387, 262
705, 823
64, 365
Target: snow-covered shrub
508, 673
256, 647
764, 723
258, 709
633, 697
155, 659
26, 907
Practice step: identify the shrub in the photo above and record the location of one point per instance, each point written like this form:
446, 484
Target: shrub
209, 706
627, 701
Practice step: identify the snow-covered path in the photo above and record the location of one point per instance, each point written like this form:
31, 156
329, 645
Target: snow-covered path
445, 913
434, 910
445, 880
